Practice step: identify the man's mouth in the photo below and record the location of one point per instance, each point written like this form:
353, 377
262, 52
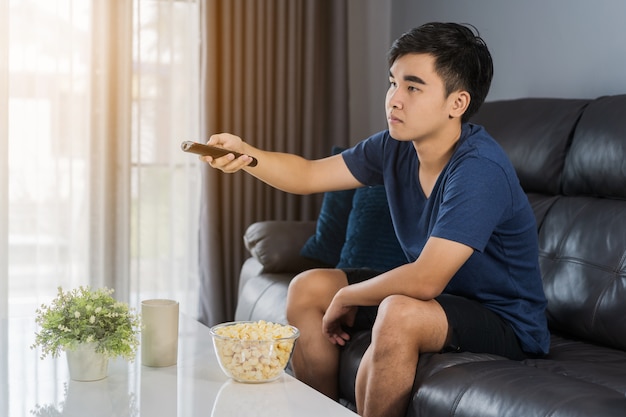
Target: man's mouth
393, 119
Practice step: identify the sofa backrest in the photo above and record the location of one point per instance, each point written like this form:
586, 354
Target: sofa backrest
535, 133
570, 156
596, 162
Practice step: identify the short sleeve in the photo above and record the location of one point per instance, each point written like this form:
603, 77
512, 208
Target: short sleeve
365, 160
476, 198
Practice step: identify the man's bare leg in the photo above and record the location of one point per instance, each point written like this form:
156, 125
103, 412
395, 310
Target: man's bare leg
315, 360
404, 328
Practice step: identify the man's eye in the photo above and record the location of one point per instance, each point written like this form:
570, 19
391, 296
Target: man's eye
392, 83
411, 88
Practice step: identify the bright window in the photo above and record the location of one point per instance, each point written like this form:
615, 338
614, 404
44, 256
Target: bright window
97, 191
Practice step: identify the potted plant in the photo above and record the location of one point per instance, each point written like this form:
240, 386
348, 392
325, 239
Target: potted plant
91, 327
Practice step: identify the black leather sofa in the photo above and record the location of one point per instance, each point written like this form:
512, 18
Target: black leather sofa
570, 156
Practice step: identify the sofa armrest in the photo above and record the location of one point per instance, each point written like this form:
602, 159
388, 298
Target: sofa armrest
276, 244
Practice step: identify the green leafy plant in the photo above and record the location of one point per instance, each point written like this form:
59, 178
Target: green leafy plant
83, 315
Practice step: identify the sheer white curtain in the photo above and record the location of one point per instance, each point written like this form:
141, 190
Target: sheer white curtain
165, 182
95, 98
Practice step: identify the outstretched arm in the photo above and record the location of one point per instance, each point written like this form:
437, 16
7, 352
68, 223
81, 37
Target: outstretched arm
287, 172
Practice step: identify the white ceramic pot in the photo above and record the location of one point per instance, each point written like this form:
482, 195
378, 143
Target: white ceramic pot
86, 364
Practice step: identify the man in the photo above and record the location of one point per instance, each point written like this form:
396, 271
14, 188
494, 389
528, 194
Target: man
472, 282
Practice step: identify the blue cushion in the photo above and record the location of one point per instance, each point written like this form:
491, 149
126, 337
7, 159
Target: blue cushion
354, 230
330, 233
370, 238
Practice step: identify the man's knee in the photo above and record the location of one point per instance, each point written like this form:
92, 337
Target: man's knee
313, 288
310, 284
396, 312
403, 319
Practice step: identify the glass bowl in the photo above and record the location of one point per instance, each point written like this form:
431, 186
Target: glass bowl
253, 352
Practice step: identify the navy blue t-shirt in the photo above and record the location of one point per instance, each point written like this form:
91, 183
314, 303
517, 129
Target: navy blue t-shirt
478, 201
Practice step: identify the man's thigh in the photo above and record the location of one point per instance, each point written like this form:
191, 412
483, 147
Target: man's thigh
475, 328
472, 327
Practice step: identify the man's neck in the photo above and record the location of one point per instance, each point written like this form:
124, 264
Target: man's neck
435, 152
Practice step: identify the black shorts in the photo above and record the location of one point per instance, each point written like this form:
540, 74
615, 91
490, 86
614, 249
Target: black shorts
472, 327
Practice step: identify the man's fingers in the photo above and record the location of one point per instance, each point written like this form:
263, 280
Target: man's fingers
338, 338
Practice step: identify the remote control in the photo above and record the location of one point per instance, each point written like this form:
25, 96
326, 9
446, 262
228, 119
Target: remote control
215, 152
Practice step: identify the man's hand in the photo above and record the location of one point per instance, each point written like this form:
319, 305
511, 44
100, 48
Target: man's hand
335, 319
228, 163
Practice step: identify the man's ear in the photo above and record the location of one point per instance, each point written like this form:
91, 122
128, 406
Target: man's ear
460, 101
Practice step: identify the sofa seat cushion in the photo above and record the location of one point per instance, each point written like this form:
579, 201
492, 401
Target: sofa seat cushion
576, 378
585, 361
503, 388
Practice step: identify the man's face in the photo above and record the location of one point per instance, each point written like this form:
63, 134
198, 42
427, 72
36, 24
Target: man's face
416, 104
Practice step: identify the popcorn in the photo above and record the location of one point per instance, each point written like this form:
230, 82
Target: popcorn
254, 351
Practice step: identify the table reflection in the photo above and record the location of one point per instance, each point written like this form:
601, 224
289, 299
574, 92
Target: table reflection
35, 387
95, 399
236, 399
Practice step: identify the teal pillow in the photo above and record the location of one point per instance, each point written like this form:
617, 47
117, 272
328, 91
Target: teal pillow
330, 232
370, 240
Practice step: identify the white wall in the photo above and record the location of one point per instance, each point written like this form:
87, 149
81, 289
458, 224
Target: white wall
540, 48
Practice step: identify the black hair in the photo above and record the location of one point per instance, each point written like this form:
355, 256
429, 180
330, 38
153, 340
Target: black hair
462, 58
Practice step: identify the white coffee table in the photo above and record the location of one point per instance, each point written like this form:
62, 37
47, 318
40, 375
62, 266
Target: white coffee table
195, 387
